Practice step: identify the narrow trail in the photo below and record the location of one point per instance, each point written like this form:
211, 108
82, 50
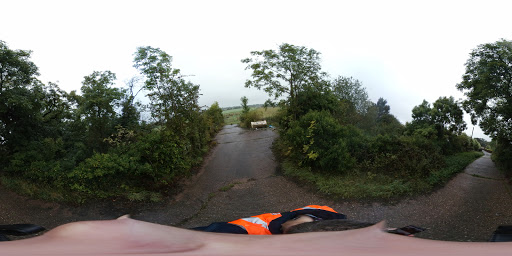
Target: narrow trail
238, 179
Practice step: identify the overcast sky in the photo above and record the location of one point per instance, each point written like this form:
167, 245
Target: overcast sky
403, 51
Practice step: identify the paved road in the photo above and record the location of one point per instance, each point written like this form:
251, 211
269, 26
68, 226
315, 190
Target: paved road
468, 208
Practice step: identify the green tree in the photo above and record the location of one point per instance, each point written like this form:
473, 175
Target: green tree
447, 114
97, 107
487, 83
285, 72
443, 118
245, 110
130, 114
174, 101
16, 69
18, 99
351, 90
245, 107
382, 108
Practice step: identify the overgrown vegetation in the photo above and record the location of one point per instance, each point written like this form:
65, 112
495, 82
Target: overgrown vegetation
487, 83
370, 185
333, 136
94, 143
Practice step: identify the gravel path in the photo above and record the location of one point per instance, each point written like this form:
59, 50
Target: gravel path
238, 179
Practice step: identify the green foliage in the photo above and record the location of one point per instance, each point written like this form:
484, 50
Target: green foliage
403, 157
287, 71
22, 101
251, 116
445, 116
173, 100
214, 118
74, 147
96, 107
245, 107
382, 108
487, 84
370, 185
99, 175
502, 155
452, 165
319, 141
245, 119
488, 87
16, 70
351, 90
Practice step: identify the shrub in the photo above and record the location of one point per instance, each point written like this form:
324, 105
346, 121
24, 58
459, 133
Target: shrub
104, 175
317, 140
405, 156
214, 118
251, 116
502, 155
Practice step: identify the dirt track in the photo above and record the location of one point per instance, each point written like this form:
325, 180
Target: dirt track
238, 179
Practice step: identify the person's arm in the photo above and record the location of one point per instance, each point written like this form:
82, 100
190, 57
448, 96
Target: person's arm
131, 237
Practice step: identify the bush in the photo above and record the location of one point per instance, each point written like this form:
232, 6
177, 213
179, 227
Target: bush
214, 118
104, 175
452, 165
317, 140
251, 116
502, 155
405, 156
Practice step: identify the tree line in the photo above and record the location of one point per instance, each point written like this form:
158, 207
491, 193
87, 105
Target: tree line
94, 143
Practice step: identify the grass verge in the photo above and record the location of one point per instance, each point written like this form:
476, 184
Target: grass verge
361, 185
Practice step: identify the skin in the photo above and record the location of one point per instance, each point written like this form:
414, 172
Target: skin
131, 237
301, 219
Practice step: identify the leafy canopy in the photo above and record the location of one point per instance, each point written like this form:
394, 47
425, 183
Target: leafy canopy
173, 100
352, 90
444, 115
16, 69
287, 71
487, 83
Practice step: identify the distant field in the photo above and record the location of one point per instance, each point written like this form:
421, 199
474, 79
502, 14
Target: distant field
235, 110
232, 116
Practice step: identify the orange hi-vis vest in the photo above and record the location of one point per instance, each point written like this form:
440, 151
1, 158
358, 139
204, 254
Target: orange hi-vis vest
259, 224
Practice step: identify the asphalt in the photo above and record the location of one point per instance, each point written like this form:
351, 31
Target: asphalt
239, 179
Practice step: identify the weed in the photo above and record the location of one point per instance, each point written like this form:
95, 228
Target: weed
229, 186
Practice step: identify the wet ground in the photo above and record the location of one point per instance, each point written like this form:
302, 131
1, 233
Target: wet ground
238, 179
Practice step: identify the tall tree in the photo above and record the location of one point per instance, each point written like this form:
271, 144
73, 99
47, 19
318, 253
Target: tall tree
487, 83
285, 72
97, 106
16, 69
382, 108
445, 115
448, 114
130, 114
245, 106
173, 100
18, 85
351, 90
